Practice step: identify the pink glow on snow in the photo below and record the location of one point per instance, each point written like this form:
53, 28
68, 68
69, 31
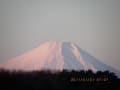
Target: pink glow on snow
47, 56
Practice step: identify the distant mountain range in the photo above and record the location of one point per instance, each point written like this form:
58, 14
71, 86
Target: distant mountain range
57, 56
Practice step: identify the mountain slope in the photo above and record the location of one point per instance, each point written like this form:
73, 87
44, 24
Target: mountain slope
57, 56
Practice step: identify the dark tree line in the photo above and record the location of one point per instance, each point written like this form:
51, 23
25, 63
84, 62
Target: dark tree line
55, 80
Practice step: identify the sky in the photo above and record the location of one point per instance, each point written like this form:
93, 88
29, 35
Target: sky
94, 25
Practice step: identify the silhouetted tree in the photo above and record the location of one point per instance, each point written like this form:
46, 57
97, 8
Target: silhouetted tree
37, 80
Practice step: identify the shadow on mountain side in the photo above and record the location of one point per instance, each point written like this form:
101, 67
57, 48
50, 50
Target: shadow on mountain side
55, 80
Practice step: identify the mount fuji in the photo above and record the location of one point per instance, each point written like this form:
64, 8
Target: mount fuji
57, 56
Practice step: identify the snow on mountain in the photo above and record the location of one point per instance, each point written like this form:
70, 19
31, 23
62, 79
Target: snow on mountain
57, 56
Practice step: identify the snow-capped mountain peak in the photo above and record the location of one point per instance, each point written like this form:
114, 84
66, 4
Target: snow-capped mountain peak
56, 56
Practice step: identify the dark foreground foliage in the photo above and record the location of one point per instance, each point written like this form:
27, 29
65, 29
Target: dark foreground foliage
65, 80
